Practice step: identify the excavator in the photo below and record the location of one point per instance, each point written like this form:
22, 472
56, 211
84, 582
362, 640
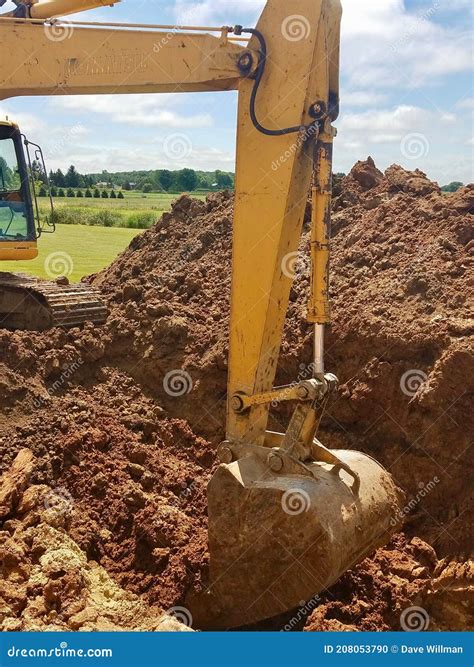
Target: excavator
287, 516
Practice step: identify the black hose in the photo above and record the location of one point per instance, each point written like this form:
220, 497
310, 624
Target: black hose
257, 79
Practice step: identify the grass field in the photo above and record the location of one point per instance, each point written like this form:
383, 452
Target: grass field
91, 233
135, 211
75, 251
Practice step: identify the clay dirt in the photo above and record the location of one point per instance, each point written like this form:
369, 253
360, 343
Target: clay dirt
109, 433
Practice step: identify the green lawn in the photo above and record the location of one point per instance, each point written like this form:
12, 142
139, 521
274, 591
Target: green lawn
135, 211
75, 250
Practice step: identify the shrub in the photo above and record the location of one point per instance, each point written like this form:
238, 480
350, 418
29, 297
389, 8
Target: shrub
104, 194
61, 193
113, 195
70, 192
54, 191
97, 193
88, 193
79, 193
120, 195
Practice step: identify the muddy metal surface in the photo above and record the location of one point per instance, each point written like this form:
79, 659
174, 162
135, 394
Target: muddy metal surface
122, 420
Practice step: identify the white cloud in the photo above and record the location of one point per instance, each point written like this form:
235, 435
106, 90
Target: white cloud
359, 98
216, 12
138, 110
384, 45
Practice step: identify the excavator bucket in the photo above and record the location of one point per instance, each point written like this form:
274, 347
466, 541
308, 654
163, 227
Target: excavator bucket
278, 539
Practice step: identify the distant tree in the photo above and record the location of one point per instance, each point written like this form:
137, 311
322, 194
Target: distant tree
79, 193
165, 179
61, 193
120, 195
127, 186
147, 187
454, 186
223, 180
42, 192
113, 195
187, 180
104, 194
54, 191
97, 193
59, 179
70, 192
72, 177
88, 193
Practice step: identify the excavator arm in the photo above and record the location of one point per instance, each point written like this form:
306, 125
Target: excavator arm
286, 516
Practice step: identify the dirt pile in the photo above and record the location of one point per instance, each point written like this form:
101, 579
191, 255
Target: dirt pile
47, 582
102, 409
403, 587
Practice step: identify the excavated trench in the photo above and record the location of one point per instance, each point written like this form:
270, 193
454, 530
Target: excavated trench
103, 512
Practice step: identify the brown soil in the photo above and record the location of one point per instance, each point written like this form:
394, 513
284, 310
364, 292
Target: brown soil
92, 407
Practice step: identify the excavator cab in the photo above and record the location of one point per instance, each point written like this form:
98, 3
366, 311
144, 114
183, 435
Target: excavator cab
17, 219
27, 302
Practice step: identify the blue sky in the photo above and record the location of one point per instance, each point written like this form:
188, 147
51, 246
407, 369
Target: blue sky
406, 95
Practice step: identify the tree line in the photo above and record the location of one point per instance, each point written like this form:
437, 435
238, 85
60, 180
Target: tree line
164, 180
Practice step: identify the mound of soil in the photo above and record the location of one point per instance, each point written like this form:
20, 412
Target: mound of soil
47, 581
126, 417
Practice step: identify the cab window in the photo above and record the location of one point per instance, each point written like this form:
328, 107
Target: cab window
13, 210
